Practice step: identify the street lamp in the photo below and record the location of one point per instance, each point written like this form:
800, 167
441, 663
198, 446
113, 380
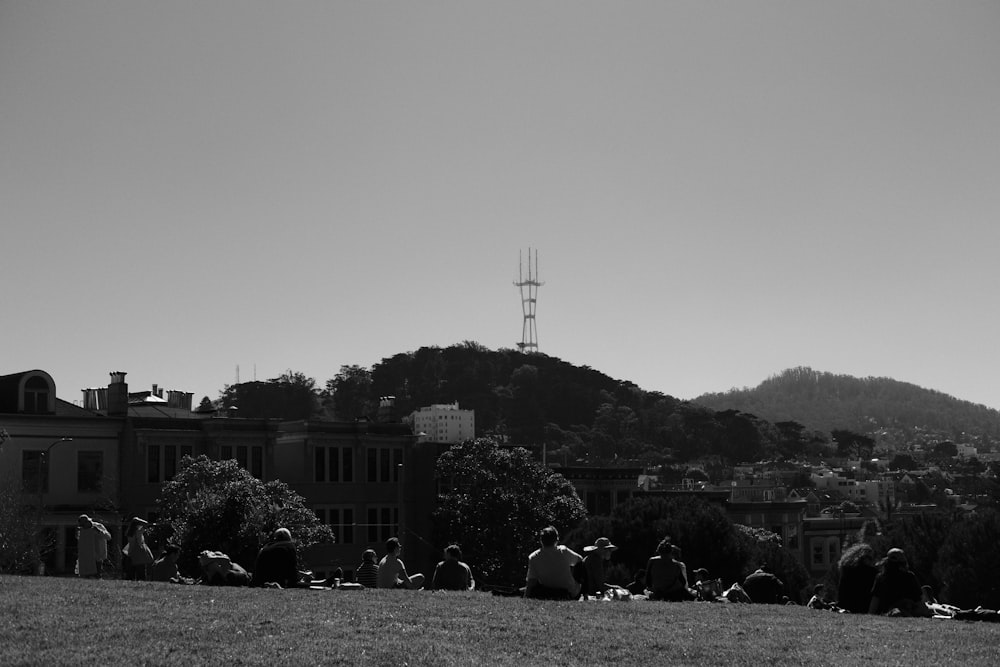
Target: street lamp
43, 465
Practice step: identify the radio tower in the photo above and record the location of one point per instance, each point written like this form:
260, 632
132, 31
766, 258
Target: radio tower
529, 335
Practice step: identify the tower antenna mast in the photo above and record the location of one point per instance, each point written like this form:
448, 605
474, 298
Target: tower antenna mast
529, 299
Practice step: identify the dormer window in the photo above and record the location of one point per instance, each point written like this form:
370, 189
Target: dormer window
36, 395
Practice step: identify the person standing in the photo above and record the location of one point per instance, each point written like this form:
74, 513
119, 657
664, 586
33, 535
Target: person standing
392, 571
91, 541
452, 574
550, 569
139, 553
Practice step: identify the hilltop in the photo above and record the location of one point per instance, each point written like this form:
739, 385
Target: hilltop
881, 406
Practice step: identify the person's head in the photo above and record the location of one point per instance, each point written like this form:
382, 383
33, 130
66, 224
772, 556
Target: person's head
368, 556
602, 546
664, 547
84, 521
896, 558
818, 590
393, 545
282, 535
700, 574
675, 552
856, 554
453, 551
135, 525
548, 536
172, 553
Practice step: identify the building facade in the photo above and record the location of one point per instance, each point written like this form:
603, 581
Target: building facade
444, 422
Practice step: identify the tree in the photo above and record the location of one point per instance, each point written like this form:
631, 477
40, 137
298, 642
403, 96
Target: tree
351, 392
903, 462
702, 530
20, 544
494, 502
218, 505
967, 562
853, 444
290, 396
205, 405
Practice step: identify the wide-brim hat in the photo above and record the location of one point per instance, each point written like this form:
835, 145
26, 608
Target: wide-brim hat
601, 544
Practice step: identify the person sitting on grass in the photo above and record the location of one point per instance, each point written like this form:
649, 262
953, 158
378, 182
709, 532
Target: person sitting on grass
277, 563
598, 554
392, 571
763, 586
550, 569
897, 591
666, 574
164, 568
367, 574
819, 599
638, 585
452, 574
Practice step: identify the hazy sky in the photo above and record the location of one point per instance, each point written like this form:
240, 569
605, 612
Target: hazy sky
717, 190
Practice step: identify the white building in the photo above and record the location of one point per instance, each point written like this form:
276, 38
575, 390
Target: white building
879, 492
444, 423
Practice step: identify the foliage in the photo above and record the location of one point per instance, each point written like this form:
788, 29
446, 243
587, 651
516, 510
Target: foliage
291, 396
218, 505
967, 562
493, 503
165, 624
351, 393
764, 548
20, 544
704, 532
851, 444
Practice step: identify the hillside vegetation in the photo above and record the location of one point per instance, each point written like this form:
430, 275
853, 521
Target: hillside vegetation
893, 409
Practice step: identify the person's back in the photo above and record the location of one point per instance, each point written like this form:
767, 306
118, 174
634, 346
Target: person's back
663, 577
367, 574
452, 574
854, 592
896, 587
549, 568
277, 562
763, 587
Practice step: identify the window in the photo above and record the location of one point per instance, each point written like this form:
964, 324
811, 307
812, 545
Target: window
833, 547
340, 519
334, 464
89, 471
34, 471
36, 395
383, 523
248, 457
817, 553
162, 461
383, 464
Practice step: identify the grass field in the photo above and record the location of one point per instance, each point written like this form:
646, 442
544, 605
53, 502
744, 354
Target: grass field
57, 621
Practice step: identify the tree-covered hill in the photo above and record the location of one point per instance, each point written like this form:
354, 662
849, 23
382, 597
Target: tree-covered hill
892, 409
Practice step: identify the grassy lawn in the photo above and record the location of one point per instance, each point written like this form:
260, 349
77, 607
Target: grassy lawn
57, 621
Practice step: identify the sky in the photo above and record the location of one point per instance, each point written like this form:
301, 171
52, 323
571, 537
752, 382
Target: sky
203, 192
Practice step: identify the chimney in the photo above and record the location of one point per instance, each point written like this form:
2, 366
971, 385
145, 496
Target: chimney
117, 395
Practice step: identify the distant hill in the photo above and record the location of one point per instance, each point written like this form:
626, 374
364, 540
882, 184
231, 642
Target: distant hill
892, 409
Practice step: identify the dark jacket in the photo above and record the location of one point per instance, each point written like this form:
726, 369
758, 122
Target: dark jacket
277, 563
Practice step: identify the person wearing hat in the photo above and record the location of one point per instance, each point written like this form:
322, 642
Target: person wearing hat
92, 547
277, 563
598, 554
139, 554
896, 591
550, 569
